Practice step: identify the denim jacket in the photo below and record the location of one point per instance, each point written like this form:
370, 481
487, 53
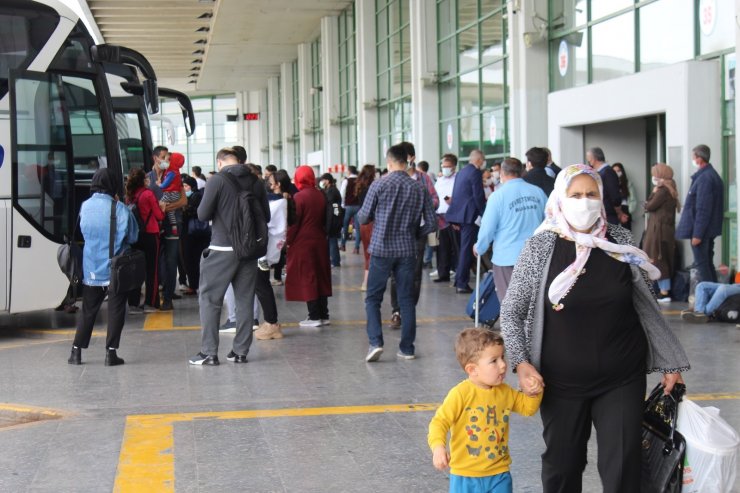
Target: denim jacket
95, 227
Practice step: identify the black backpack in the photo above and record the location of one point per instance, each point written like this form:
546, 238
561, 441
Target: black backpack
248, 226
729, 310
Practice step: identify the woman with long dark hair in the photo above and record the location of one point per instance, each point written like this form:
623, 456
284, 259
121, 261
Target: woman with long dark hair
364, 180
150, 214
627, 191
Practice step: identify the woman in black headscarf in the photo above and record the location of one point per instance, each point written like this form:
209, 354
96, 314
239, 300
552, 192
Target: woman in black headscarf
95, 222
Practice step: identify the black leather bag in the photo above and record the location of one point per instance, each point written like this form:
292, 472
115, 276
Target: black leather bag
127, 270
69, 258
663, 448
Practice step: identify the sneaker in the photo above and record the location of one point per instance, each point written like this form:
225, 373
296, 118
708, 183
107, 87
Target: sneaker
268, 331
434, 273
135, 310
664, 299
275, 282
148, 309
228, 327
325, 321
310, 323
204, 360
396, 321
694, 317
403, 355
166, 306
263, 264
373, 354
236, 358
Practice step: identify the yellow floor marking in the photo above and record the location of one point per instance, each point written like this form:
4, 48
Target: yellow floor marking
147, 459
34, 343
158, 321
714, 397
22, 408
165, 323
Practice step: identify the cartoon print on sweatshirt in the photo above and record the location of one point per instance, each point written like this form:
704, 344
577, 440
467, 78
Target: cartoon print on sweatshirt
488, 439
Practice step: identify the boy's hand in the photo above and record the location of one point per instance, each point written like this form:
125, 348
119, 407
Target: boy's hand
440, 458
535, 386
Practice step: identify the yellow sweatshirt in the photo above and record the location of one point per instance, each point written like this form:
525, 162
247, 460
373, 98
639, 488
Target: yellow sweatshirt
479, 423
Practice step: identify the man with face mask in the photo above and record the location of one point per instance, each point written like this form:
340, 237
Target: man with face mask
512, 214
701, 218
612, 196
449, 238
334, 216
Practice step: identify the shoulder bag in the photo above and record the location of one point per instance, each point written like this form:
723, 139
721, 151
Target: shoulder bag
127, 270
663, 448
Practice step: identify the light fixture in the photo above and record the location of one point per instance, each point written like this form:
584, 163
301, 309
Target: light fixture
199, 52
206, 15
203, 29
200, 42
192, 82
197, 60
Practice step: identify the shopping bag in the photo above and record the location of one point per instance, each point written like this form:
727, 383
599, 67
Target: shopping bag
711, 449
663, 448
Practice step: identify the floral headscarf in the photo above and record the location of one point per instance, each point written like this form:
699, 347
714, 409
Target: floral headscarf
555, 221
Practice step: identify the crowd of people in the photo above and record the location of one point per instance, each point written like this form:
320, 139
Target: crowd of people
556, 240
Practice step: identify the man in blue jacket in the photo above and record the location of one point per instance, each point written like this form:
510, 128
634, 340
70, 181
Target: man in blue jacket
512, 214
701, 218
468, 203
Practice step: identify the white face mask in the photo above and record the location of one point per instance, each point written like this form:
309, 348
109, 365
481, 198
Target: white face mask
693, 161
164, 164
581, 214
655, 181
488, 182
496, 175
446, 171
619, 173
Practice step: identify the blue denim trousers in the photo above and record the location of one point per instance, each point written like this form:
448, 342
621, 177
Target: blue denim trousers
349, 212
334, 252
709, 295
380, 270
704, 260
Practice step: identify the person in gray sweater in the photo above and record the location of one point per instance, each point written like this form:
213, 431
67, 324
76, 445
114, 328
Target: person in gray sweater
581, 324
220, 267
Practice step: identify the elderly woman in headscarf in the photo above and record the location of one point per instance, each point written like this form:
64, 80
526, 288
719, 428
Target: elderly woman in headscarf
580, 322
659, 242
308, 272
95, 224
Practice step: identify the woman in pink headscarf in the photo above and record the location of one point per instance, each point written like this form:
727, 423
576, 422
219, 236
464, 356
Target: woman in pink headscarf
308, 272
581, 324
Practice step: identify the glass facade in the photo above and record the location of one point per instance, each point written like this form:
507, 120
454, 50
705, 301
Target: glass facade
212, 130
729, 172
596, 40
347, 87
393, 38
314, 123
472, 56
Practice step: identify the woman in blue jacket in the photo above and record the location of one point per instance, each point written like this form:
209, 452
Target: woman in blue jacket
95, 217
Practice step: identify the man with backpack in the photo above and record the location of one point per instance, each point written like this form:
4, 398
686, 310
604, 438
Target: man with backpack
236, 203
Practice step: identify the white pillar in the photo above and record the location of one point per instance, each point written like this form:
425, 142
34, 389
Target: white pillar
286, 116
424, 91
264, 155
242, 103
304, 98
528, 65
273, 122
367, 113
254, 137
737, 141
330, 92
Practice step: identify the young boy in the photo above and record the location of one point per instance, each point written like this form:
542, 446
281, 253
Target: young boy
171, 184
476, 412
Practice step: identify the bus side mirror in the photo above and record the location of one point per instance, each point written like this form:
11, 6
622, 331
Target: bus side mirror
151, 96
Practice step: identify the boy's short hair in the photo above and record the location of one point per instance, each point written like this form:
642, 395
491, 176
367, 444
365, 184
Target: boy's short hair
470, 343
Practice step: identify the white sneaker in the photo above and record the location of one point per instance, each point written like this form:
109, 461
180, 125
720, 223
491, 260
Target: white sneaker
310, 323
664, 299
434, 273
325, 321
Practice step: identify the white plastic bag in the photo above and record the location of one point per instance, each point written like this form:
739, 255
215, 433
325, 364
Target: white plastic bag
711, 449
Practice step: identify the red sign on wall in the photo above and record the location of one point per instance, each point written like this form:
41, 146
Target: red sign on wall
251, 116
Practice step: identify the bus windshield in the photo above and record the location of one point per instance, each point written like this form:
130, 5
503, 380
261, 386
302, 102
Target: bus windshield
24, 30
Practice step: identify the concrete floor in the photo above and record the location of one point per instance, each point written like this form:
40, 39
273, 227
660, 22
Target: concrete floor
305, 414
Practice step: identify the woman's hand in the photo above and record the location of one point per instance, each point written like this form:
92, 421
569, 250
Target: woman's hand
440, 458
530, 380
669, 380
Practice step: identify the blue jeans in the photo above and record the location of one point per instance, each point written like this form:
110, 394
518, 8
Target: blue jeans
380, 270
334, 252
709, 295
349, 212
704, 260
500, 483
664, 284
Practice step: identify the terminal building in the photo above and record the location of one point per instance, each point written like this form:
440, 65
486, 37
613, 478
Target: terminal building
335, 83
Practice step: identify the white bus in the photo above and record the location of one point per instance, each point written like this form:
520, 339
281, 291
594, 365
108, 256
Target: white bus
67, 108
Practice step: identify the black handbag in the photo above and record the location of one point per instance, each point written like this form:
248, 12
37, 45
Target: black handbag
69, 258
127, 270
663, 448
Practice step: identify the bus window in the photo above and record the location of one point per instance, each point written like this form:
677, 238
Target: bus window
130, 142
86, 126
41, 181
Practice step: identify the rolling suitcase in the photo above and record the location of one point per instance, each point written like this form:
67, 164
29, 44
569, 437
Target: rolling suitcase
484, 308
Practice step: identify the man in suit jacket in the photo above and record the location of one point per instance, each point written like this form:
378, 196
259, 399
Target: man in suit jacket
610, 181
468, 203
536, 173
551, 168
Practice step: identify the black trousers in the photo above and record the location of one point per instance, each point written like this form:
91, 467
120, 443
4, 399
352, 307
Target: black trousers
92, 298
617, 417
266, 296
449, 241
278, 268
193, 246
421, 244
318, 309
149, 244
